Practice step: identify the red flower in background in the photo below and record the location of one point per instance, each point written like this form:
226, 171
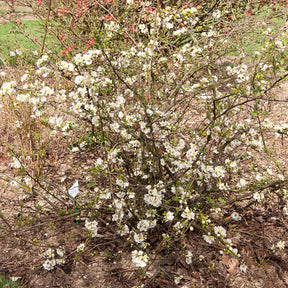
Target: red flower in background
147, 97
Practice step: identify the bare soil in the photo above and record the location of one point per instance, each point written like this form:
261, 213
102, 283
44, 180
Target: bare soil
8, 13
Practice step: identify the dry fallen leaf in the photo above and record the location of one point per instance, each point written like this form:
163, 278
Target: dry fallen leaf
233, 263
225, 260
268, 244
230, 263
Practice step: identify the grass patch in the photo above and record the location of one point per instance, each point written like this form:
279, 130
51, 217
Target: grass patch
13, 37
255, 41
25, 37
7, 283
18, 12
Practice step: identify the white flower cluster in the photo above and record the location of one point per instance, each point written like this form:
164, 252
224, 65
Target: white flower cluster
169, 216
243, 267
209, 238
51, 261
144, 225
241, 72
188, 214
216, 14
42, 60
280, 245
139, 258
285, 209
188, 257
235, 216
8, 88
66, 66
220, 231
82, 59
258, 196
123, 230
139, 238
111, 28
118, 204
280, 45
121, 183
80, 248
92, 227
154, 196
229, 246
16, 163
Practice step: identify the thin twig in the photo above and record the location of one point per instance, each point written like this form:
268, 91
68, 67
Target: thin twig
46, 26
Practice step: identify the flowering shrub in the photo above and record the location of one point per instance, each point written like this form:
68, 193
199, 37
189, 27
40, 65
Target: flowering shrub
176, 125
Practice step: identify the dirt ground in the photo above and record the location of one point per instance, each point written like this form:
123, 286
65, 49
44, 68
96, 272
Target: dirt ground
7, 14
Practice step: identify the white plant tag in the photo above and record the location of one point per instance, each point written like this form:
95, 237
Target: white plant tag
74, 190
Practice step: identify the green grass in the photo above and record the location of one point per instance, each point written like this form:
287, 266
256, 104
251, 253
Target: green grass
4, 283
12, 38
19, 12
273, 19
